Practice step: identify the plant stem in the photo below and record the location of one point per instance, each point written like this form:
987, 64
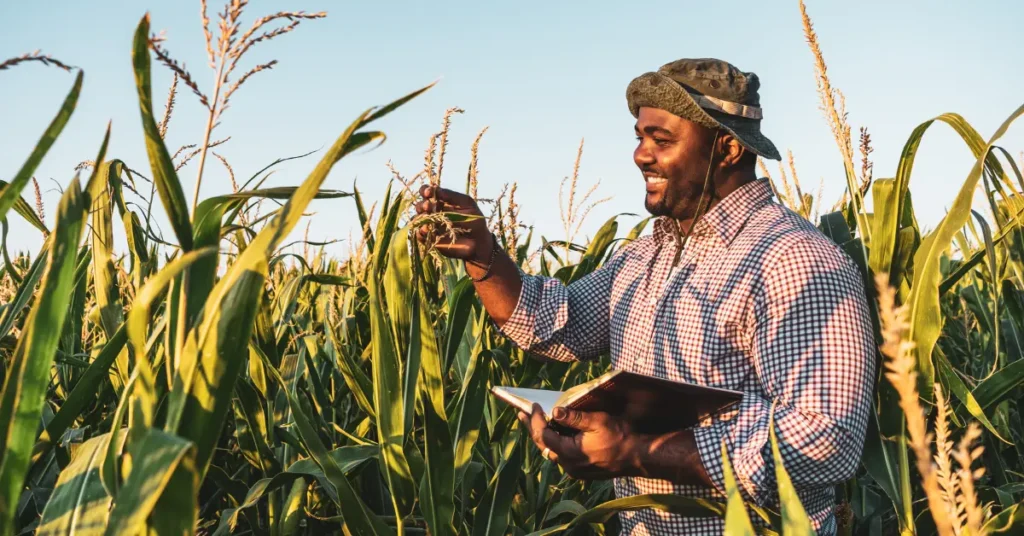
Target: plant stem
210, 122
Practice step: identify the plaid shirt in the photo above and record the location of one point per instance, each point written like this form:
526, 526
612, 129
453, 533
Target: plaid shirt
760, 302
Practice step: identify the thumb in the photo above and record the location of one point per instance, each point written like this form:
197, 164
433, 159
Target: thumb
578, 420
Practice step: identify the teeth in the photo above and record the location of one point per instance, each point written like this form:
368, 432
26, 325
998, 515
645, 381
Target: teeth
656, 180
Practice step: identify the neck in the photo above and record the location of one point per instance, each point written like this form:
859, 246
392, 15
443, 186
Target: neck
720, 190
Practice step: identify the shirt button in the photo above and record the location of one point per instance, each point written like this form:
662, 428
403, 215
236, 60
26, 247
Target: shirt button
652, 301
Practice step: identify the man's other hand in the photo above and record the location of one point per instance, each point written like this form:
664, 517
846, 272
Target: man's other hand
605, 447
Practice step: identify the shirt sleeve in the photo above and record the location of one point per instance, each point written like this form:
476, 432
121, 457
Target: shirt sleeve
564, 322
813, 352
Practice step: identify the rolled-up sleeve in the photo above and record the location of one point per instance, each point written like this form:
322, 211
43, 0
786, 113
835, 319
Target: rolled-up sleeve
564, 322
813, 353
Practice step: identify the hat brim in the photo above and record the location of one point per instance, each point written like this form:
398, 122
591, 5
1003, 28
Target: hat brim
655, 90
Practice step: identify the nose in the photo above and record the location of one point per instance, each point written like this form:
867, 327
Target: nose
642, 156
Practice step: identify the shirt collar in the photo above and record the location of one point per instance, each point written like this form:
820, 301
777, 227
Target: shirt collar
725, 219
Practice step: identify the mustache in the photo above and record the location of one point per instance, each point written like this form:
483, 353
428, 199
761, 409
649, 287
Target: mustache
651, 170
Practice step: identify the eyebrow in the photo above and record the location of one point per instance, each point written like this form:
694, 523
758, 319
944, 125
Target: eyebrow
651, 129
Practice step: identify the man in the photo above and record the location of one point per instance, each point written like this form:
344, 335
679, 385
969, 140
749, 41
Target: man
731, 290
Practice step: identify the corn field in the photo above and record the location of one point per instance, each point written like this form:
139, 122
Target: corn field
209, 382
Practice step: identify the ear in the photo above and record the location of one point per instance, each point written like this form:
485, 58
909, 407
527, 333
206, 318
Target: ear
730, 150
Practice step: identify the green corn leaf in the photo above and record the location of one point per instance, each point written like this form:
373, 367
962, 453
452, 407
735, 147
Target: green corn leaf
737, 522
469, 411
461, 300
492, 516
212, 356
676, 504
879, 461
358, 518
136, 245
356, 380
925, 315
79, 504
348, 459
398, 294
26, 289
26, 211
363, 218
437, 493
596, 249
951, 379
208, 225
251, 429
386, 224
11, 193
388, 403
138, 321
155, 457
999, 386
794, 517
21, 402
164, 176
104, 278
565, 507
1009, 521
86, 391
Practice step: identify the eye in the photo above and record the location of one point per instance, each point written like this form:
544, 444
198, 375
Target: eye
662, 141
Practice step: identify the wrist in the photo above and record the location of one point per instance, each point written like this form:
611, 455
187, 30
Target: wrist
482, 267
638, 452
484, 252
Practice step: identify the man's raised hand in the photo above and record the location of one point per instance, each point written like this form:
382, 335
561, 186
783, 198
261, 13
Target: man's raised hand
472, 241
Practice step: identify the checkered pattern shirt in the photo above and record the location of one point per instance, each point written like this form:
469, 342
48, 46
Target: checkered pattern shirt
759, 302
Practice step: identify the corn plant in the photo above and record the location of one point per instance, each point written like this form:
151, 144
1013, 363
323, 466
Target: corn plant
214, 383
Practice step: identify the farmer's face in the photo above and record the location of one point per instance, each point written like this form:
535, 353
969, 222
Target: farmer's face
673, 155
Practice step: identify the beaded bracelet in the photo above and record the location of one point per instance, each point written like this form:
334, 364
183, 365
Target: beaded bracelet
490, 263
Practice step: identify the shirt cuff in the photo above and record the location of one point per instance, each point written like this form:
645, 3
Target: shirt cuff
519, 328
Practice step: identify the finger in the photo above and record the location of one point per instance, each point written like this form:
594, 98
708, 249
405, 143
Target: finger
427, 205
563, 446
578, 420
536, 424
425, 190
455, 199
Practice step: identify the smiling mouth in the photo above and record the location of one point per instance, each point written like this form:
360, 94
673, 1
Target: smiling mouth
652, 179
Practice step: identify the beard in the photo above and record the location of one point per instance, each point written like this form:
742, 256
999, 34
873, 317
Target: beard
657, 208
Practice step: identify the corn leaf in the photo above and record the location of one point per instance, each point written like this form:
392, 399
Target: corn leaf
388, 401
491, 518
86, 391
164, 176
437, 495
737, 522
358, 518
211, 357
11, 192
925, 316
794, 517
21, 402
348, 459
26, 211
79, 504
155, 457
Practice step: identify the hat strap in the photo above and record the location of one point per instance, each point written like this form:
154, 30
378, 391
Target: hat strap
724, 106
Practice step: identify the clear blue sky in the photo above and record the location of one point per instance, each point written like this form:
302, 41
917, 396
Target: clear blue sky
542, 75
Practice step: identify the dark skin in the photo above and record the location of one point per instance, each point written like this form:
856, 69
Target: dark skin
670, 148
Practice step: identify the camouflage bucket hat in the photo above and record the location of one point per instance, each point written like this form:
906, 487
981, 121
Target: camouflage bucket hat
709, 92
